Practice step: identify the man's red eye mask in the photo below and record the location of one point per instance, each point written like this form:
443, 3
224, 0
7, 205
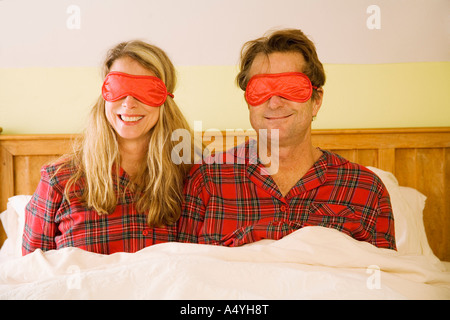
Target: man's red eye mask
294, 86
147, 89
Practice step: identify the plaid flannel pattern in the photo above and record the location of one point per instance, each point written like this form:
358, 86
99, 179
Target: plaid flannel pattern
232, 204
52, 223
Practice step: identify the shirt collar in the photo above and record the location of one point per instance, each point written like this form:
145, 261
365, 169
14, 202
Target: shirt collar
247, 153
318, 173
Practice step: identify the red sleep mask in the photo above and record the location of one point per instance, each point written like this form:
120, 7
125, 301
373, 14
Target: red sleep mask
294, 86
147, 89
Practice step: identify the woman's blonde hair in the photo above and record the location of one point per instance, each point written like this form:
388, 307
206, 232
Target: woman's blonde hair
159, 185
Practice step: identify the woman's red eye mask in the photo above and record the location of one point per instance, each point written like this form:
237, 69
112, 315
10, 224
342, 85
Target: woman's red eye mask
294, 86
147, 89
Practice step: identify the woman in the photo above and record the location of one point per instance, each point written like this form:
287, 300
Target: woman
119, 191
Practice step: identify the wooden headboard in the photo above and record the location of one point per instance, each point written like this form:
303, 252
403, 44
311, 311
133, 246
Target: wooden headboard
418, 157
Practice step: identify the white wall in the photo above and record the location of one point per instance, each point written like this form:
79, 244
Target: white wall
211, 32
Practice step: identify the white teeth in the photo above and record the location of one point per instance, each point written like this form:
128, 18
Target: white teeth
130, 119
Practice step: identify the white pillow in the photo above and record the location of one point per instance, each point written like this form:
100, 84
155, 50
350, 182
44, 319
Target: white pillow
407, 206
13, 221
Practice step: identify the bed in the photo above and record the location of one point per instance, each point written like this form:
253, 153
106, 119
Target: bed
311, 263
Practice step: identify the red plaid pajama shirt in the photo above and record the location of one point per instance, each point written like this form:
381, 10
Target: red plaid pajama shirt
232, 204
52, 223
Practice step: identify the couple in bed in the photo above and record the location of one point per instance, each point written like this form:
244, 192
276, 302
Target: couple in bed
121, 191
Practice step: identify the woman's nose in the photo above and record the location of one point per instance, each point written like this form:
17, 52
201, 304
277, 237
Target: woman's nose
129, 102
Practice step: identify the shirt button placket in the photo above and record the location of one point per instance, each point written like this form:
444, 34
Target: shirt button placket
284, 211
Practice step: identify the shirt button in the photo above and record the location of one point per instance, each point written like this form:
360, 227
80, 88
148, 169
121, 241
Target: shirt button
283, 208
145, 232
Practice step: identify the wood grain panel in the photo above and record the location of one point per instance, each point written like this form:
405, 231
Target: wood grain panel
405, 167
446, 210
6, 183
368, 157
348, 154
7, 176
22, 156
430, 181
27, 170
386, 159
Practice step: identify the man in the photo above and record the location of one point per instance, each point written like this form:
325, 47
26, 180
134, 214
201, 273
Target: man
236, 203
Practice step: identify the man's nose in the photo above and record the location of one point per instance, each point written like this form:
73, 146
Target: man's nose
275, 102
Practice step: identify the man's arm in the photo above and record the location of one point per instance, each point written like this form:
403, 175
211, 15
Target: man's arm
384, 225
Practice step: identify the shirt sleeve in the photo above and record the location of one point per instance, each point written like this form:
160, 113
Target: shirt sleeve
40, 226
194, 205
384, 225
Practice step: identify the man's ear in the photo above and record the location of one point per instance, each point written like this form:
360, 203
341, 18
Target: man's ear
317, 102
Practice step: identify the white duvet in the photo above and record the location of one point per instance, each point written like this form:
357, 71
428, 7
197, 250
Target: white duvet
311, 263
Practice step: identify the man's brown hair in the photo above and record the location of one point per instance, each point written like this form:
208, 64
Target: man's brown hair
287, 40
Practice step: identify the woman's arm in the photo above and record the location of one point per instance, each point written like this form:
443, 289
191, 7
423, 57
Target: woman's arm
40, 226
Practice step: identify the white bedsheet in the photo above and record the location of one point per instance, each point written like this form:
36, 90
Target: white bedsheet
311, 263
